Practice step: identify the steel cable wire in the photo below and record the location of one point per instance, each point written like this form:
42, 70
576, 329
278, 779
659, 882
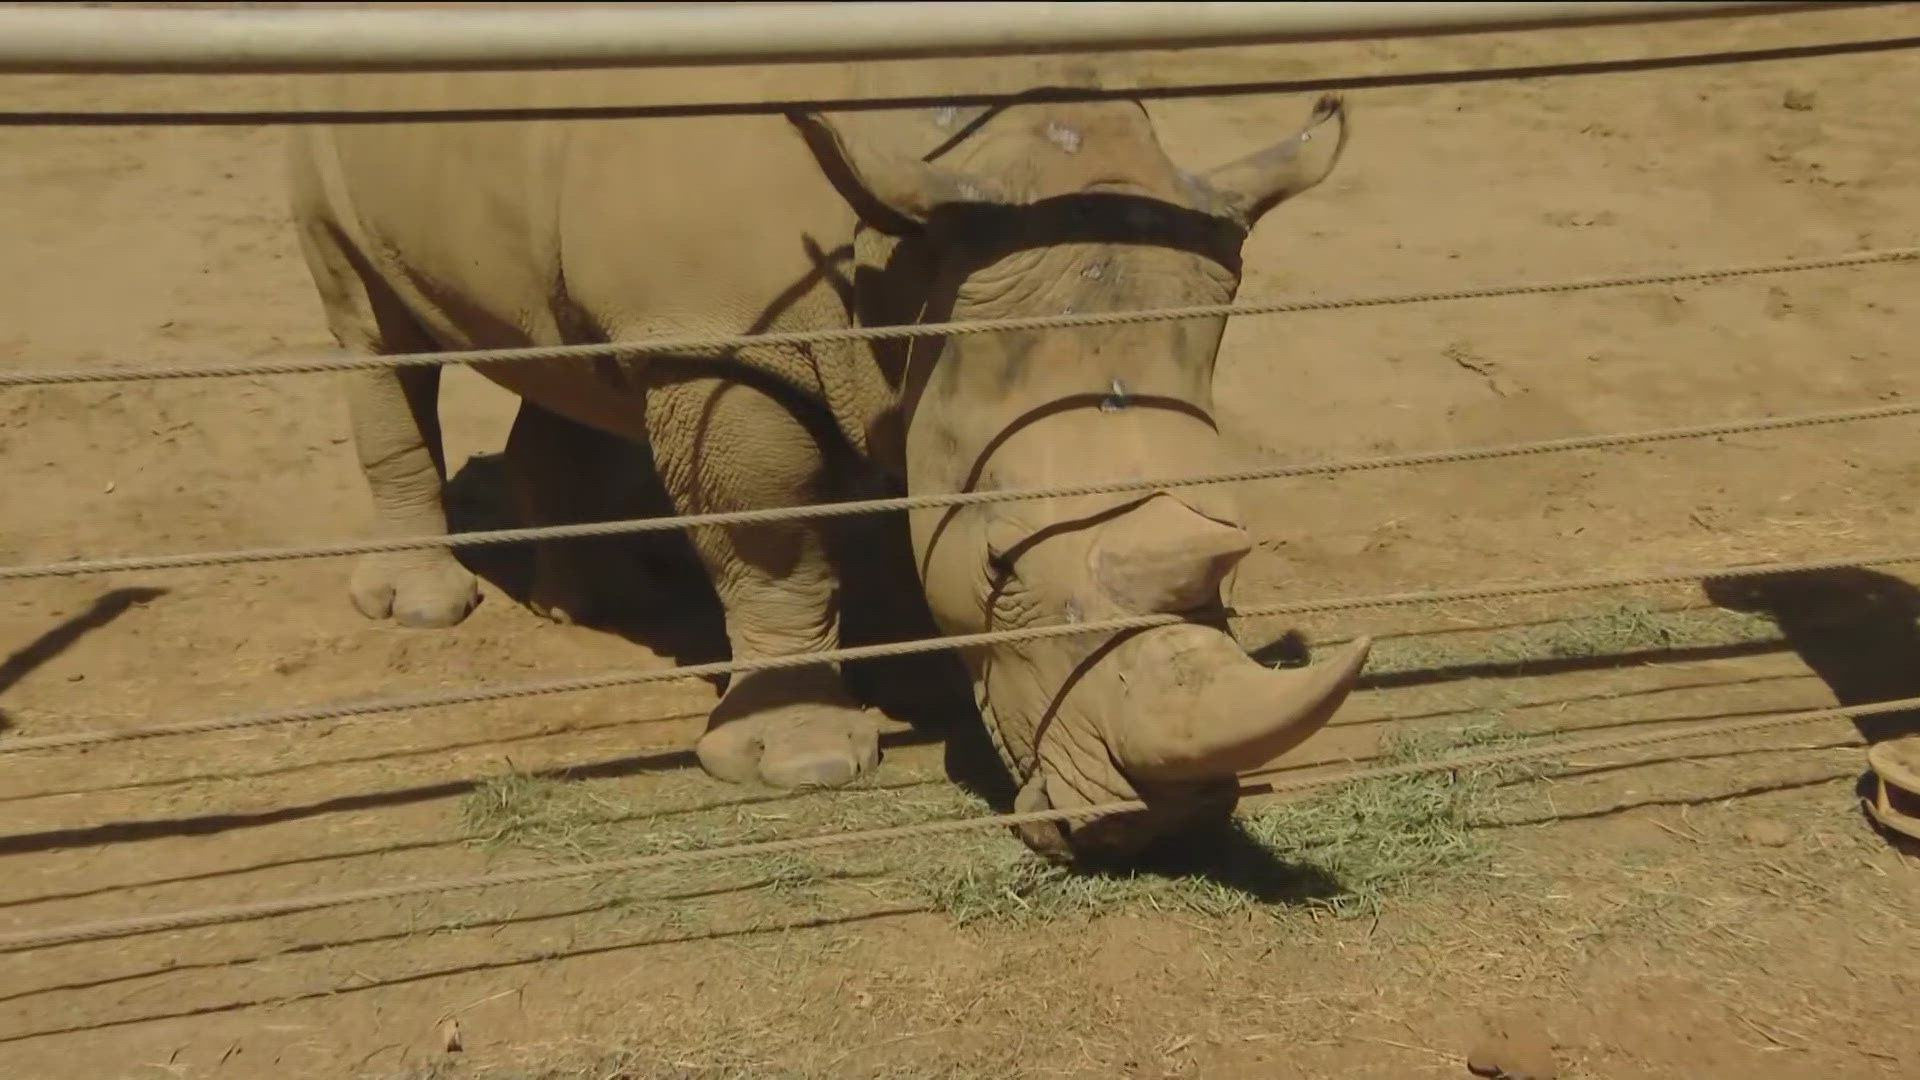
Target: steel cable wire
607, 680
187, 560
711, 344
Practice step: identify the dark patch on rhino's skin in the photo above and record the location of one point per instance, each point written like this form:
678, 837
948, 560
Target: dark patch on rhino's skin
924, 270
989, 232
970, 237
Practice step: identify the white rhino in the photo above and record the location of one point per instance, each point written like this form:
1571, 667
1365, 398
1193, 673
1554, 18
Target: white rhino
447, 236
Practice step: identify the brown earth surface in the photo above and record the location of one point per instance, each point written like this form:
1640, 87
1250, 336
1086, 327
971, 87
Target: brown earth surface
1711, 908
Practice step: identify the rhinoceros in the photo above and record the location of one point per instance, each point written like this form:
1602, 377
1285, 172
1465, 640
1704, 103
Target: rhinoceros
452, 236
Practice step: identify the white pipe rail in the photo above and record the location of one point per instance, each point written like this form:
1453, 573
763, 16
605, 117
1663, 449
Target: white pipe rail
78, 39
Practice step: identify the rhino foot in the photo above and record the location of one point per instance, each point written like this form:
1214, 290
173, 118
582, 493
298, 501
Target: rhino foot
418, 589
821, 740
806, 746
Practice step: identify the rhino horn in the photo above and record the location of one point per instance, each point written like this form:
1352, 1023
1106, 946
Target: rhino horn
1162, 556
1212, 711
904, 185
1264, 179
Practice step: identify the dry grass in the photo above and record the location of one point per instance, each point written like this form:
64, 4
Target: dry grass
1450, 896
1445, 912
1341, 851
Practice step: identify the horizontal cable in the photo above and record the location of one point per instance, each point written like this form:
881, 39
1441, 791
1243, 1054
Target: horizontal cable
607, 680
1268, 789
184, 560
710, 344
266, 115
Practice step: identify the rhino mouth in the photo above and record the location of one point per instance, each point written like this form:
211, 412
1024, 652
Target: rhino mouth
1176, 740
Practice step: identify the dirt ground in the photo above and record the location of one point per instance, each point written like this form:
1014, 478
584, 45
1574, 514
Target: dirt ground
1711, 909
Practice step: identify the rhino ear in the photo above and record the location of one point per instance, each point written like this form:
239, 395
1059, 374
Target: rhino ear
904, 186
1263, 180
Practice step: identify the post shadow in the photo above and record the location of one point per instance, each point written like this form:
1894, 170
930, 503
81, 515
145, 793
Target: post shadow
1857, 629
105, 608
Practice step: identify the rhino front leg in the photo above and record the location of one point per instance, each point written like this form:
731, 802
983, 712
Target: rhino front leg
723, 446
396, 429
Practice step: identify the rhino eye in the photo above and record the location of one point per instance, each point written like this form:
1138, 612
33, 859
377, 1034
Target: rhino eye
1000, 563
1003, 540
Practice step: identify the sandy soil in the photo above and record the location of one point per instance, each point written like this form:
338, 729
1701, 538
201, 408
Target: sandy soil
1720, 911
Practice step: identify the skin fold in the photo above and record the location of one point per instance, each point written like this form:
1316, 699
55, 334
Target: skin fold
424, 237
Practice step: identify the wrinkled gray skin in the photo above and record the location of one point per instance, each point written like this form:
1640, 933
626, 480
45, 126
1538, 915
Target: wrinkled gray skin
457, 236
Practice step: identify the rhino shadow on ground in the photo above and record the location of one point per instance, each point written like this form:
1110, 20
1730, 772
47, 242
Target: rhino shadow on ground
661, 599
1227, 855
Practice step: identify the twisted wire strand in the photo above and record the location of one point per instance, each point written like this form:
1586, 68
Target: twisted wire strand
606, 680
720, 344
185, 560
1254, 793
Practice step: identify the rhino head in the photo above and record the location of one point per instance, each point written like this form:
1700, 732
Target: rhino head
1042, 208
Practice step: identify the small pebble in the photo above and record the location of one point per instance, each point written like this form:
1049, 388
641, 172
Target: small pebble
1798, 100
1767, 832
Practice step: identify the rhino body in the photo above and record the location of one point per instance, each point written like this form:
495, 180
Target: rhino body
452, 236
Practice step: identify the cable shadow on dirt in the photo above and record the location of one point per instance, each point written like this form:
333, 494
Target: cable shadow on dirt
343, 855
216, 823
1561, 817
542, 956
1292, 650
436, 750
1227, 857
1253, 876
614, 902
105, 608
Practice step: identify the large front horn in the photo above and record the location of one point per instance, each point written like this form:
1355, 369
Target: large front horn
1193, 706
